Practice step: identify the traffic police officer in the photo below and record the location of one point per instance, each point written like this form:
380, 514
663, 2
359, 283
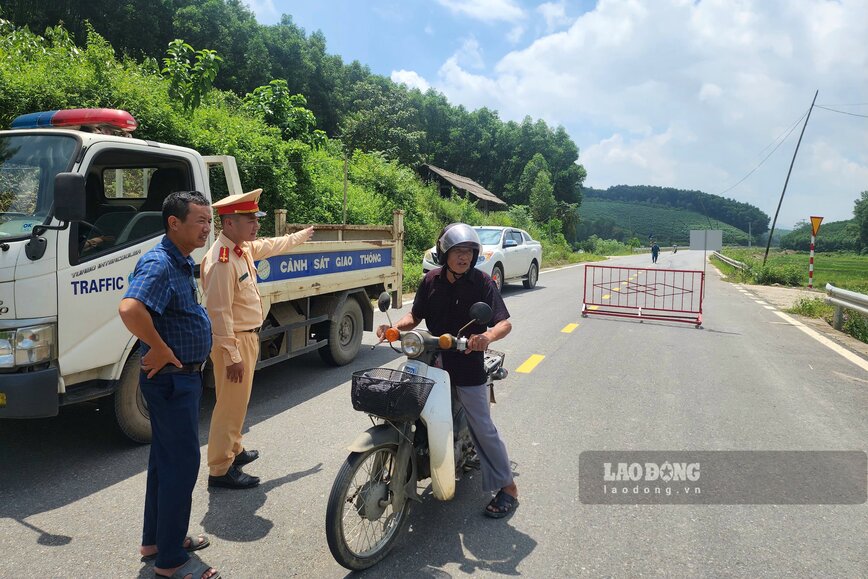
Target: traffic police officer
235, 308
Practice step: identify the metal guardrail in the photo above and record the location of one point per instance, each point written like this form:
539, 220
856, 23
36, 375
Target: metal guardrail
728, 261
841, 298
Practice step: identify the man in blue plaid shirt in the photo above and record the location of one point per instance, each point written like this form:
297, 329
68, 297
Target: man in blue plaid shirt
162, 310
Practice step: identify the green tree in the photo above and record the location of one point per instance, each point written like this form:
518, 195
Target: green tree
277, 107
860, 213
542, 198
382, 120
528, 179
191, 73
568, 214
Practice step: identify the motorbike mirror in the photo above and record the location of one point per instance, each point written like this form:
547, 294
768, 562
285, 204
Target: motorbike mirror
481, 312
384, 301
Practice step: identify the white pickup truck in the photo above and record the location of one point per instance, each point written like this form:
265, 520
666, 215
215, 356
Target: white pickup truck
507, 254
78, 207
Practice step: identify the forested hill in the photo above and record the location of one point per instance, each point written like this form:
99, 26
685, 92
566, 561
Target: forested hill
364, 110
714, 207
833, 236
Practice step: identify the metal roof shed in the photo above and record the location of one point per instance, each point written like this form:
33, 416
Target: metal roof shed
449, 180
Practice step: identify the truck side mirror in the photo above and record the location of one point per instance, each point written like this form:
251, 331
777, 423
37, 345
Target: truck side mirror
510, 243
69, 197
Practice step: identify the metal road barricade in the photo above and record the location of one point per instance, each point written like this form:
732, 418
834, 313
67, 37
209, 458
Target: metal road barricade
672, 295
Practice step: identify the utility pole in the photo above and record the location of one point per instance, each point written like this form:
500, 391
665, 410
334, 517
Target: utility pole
749, 234
772, 230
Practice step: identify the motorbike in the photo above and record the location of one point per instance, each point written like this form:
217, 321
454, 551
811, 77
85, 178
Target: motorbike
419, 432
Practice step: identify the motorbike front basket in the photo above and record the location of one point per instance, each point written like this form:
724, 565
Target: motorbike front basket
390, 394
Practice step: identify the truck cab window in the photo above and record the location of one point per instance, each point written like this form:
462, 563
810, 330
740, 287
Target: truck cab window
124, 205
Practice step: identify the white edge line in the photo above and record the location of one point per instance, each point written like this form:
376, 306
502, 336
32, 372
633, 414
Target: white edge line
572, 265
826, 341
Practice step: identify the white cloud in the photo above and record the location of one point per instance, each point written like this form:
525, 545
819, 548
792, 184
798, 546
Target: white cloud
555, 15
515, 34
688, 94
470, 54
411, 78
486, 10
709, 91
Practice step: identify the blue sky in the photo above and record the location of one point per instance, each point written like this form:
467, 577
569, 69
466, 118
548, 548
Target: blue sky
679, 93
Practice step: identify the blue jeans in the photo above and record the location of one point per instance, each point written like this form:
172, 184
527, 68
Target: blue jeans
173, 466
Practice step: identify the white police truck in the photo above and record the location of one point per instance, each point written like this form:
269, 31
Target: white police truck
81, 201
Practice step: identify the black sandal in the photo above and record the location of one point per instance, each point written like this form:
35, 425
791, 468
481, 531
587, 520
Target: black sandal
501, 505
191, 543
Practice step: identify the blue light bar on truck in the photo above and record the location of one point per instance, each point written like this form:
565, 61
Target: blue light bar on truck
112, 119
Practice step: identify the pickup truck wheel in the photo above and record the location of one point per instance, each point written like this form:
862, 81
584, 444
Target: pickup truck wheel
129, 408
497, 276
532, 276
344, 335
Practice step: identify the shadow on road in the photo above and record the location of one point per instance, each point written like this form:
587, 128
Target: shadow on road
455, 532
50, 463
227, 507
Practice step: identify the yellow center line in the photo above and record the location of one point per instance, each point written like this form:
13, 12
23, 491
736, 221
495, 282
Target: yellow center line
607, 296
530, 364
568, 329
616, 289
595, 307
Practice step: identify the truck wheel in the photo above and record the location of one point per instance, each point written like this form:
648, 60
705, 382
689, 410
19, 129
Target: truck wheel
532, 276
130, 409
344, 335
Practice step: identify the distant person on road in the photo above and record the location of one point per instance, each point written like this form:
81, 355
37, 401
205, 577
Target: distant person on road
443, 300
235, 308
161, 309
655, 251
674, 248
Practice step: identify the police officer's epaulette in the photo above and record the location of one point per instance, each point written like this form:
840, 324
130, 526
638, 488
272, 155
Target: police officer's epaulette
224, 254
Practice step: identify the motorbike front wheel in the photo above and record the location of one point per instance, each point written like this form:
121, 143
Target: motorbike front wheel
362, 524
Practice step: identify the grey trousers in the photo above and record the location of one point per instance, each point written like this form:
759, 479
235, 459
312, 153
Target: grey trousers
496, 470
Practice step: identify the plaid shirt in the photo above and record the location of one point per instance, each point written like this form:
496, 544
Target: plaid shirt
163, 281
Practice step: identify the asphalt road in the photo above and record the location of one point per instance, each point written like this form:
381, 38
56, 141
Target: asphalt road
71, 490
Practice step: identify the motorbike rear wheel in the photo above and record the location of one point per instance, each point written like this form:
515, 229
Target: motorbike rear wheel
362, 524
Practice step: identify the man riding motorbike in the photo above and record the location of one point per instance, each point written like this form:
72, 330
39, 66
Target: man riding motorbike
443, 300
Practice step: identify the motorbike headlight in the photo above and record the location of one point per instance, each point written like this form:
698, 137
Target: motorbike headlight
412, 344
27, 346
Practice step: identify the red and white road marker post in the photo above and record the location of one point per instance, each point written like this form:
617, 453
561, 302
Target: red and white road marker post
815, 229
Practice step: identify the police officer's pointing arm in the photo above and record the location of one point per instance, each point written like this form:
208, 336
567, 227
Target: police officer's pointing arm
268, 246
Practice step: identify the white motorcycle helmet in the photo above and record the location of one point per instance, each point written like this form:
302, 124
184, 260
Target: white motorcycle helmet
455, 235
